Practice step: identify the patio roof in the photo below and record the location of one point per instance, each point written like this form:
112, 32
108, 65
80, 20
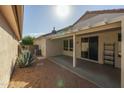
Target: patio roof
98, 20
90, 14
90, 19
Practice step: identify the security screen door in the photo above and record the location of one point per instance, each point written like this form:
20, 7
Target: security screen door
93, 48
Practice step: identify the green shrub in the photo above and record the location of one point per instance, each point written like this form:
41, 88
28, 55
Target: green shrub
25, 59
27, 40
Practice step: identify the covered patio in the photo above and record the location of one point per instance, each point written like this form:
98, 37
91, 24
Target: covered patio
102, 75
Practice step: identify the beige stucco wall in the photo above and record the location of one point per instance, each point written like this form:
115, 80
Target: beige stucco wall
41, 42
104, 37
112, 37
54, 47
8, 52
49, 47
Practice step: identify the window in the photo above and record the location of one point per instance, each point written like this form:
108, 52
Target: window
84, 47
119, 37
68, 45
119, 44
65, 45
71, 45
84, 39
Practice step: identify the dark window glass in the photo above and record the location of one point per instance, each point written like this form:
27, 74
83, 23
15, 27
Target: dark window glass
119, 36
93, 48
71, 44
84, 47
84, 39
65, 45
84, 54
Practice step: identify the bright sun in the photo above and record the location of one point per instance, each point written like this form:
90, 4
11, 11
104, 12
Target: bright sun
62, 11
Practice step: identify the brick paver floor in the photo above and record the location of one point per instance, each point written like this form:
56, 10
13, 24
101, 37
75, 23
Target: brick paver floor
45, 74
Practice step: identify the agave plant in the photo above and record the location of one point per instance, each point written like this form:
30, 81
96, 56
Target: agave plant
25, 59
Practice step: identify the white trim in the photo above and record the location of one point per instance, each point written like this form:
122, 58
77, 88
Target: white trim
122, 56
85, 27
75, 30
74, 50
88, 35
99, 24
90, 60
68, 39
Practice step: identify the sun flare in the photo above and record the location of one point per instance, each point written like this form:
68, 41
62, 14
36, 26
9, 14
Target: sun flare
62, 11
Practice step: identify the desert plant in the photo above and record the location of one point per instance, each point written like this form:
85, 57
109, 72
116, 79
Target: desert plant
25, 59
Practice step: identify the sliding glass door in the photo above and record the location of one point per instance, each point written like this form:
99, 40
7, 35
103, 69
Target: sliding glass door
89, 48
93, 48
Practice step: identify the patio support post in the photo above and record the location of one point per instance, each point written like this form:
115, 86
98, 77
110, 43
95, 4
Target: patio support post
122, 54
74, 50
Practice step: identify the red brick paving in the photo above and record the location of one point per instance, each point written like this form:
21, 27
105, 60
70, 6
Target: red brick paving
45, 74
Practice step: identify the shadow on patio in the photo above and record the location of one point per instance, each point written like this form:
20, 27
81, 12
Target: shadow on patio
102, 75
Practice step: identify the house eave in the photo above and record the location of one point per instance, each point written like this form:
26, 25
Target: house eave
15, 18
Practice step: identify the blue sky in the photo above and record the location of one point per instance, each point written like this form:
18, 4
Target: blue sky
40, 19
